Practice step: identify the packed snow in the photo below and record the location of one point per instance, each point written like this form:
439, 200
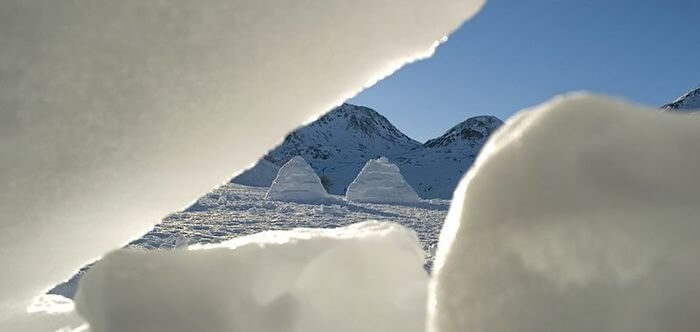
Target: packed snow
260, 175
296, 181
380, 181
116, 114
579, 215
301, 280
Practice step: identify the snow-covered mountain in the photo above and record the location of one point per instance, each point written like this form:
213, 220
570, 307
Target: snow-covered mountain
435, 169
689, 102
338, 145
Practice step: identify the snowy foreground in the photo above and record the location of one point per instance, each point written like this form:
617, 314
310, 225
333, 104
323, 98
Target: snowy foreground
307, 280
553, 229
234, 210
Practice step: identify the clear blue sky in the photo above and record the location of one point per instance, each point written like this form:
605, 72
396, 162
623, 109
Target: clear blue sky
518, 53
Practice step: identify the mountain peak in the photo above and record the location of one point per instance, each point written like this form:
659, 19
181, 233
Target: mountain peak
473, 131
690, 101
364, 120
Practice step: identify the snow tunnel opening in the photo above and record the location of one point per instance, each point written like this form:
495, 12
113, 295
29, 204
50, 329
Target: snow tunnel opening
54, 301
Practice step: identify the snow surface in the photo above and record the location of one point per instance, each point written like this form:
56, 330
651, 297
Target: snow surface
234, 210
113, 115
579, 215
296, 181
260, 175
380, 181
301, 280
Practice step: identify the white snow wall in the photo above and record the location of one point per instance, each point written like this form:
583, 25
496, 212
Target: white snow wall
310, 280
581, 214
113, 114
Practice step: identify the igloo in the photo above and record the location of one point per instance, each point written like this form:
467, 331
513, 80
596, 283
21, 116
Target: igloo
296, 181
380, 181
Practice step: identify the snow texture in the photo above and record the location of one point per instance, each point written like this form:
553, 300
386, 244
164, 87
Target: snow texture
380, 181
260, 175
301, 280
234, 210
296, 181
115, 114
579, 215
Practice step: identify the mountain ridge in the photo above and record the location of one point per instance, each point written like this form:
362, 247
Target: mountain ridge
338, 144
688, 102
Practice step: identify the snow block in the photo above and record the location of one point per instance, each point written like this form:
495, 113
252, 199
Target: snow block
579, 215
296, 181
300, 280
112, 116
380, 181
260, 175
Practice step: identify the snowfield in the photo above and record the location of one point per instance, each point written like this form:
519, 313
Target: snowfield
234, 210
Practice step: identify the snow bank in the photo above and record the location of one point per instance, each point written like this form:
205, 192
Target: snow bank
380, 181
301, 280
579, 215
115, 114
260, 175
296, 181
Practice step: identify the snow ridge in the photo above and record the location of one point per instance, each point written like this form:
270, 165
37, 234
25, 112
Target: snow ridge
473, 131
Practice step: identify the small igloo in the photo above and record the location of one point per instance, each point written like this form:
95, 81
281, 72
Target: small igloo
380, 181
296, 181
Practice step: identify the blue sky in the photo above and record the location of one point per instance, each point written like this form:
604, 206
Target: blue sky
515, 54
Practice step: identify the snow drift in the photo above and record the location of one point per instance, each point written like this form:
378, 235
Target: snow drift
579, 215
301, 280
115, 114
260, 175
296, 181
380, 181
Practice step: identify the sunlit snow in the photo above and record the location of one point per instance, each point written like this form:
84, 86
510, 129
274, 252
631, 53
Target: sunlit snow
115, 114
579, 215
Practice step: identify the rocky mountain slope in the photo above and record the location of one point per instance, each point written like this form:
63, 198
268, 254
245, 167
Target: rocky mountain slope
338, 145
689, 102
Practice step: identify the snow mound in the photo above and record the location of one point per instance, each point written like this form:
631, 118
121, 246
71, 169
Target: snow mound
579, 215
296, 181
260, 175
380, 181
300, 280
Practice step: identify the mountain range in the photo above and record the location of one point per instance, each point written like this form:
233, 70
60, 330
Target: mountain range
339, 143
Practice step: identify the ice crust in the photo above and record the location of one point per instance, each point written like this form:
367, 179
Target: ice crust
380, 181
579, 215
301, 280
115, 114
296, 181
